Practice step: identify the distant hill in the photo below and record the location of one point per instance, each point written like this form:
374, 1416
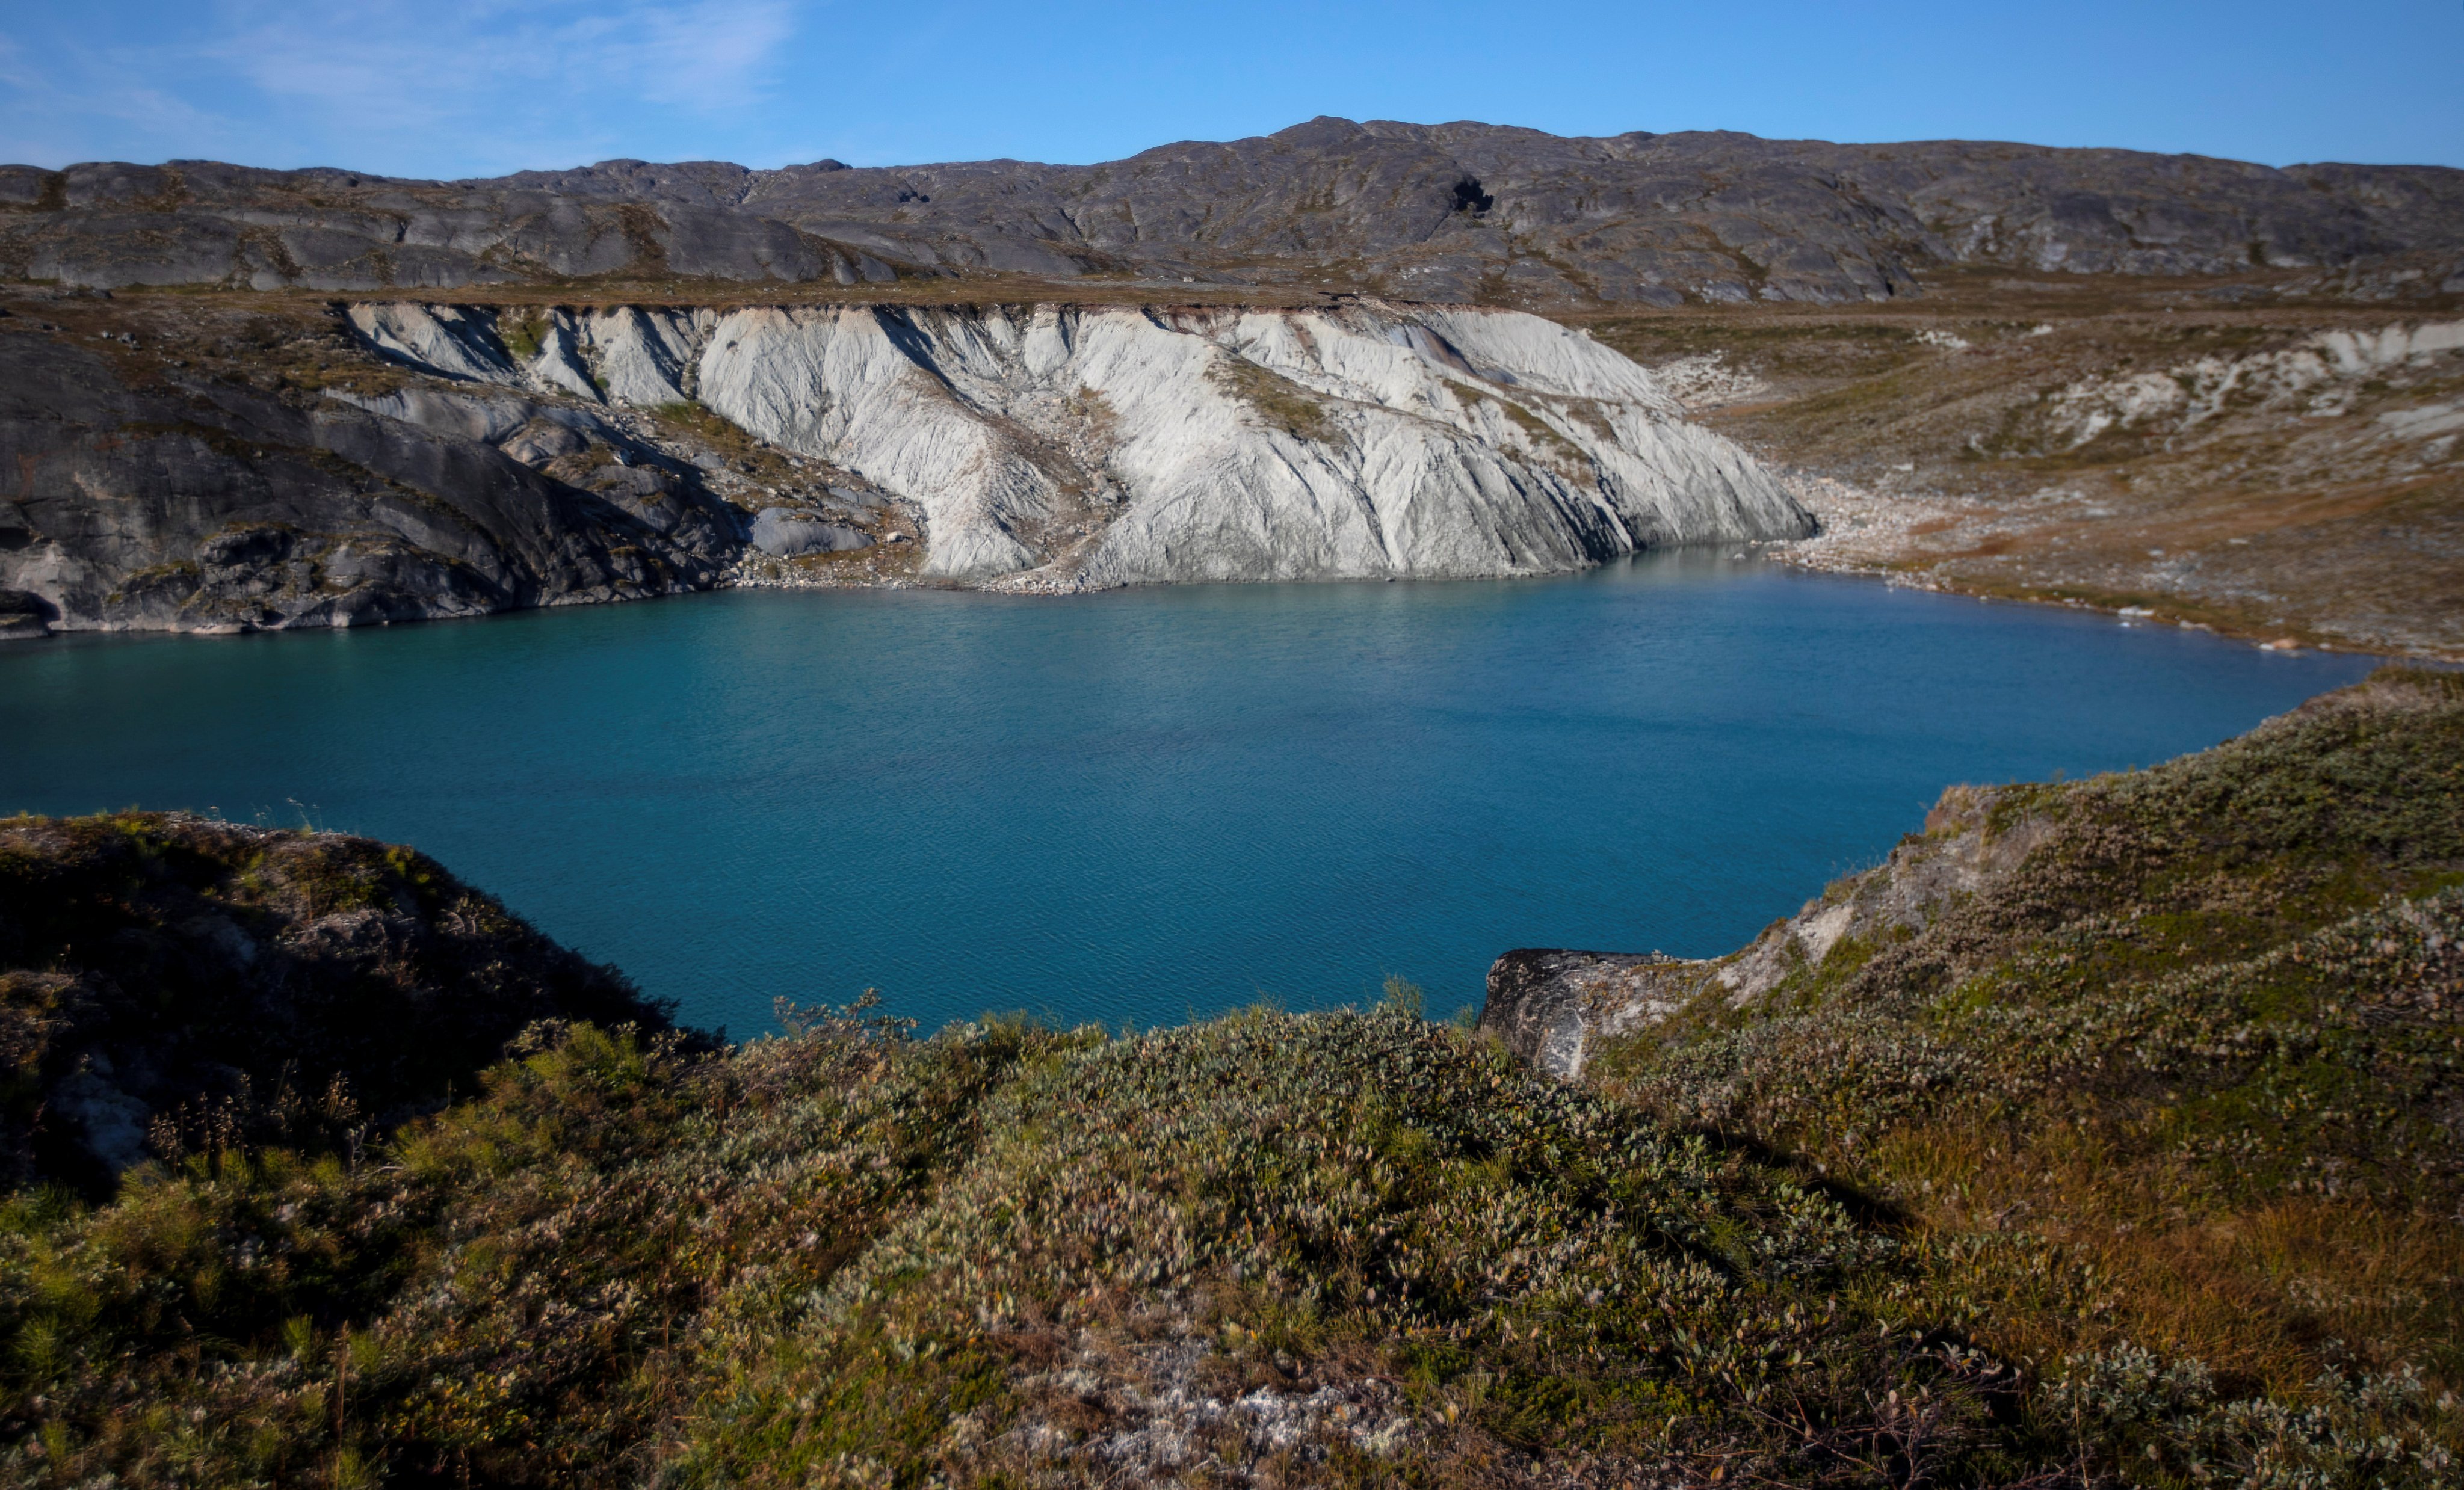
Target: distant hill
1456, 211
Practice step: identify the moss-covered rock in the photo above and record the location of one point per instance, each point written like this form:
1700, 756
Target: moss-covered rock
161, 974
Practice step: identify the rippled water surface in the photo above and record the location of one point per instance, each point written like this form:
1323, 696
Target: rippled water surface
1140, 805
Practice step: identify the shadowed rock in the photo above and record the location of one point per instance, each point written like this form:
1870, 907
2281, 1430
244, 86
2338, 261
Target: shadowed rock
783, 534
215, 506
244, 984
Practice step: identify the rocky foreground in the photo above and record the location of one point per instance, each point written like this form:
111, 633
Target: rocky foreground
2108, 1134
166, 977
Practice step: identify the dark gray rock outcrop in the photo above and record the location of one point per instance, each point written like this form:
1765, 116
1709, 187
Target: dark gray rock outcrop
131, 500
24, 614
783, 534
1452, 212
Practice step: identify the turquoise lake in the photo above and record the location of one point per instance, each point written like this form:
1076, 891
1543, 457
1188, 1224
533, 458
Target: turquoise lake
1143, 805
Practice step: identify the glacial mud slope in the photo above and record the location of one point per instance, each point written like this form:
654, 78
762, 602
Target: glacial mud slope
202, 467
1115, 445
1106, 445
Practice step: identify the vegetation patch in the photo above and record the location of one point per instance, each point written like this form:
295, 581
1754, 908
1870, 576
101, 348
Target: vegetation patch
1558, 453
2170, 1100
523, 332
1278, 402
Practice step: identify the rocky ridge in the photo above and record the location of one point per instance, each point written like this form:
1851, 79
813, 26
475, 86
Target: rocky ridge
1456, 211
2222, 835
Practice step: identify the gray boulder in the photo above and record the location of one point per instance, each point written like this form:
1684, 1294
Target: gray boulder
542, 440
784, 533
1548, 1004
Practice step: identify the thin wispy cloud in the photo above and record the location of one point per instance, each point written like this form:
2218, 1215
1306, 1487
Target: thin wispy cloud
534, 80
382, 85
713, 57
52, 111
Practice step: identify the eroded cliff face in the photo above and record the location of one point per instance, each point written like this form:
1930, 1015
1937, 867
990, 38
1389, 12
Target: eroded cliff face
419, 460
1063, 447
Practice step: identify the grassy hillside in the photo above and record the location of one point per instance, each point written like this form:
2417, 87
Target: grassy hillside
2171, 1079
2128, 1158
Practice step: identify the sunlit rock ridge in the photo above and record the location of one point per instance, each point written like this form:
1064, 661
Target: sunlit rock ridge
1456, 211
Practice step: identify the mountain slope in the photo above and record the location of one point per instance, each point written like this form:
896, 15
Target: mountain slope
1458, 211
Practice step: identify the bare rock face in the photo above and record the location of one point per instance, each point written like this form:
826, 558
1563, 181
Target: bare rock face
23, 615
1548, 1004
215, 506
1441, 212
1067, 447
783, 534
1087, 447
400, 460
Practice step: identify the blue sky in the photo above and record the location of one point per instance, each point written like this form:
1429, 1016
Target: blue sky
472, 87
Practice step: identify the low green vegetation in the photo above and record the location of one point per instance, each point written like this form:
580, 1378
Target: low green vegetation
1276, 400
2173, 1095
700, 424
523, 332
166, 972
1290, 1246
1558, 452
2129, 1158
